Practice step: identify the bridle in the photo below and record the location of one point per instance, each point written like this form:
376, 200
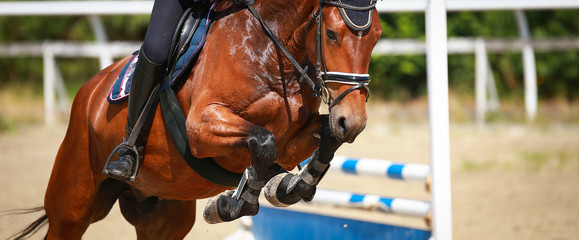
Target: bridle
357, 80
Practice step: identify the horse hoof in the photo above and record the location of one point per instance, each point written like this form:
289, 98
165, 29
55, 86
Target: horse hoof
276, 190
211, 211
271, 188
226, 208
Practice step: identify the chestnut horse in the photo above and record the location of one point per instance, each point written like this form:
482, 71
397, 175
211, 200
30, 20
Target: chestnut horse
245, 106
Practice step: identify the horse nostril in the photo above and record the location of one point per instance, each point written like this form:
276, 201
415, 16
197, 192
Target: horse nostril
342, 124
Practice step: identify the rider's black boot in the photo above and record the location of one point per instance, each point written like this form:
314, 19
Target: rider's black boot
147, 74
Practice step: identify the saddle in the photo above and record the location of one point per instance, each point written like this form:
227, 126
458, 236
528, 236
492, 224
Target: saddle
188, 40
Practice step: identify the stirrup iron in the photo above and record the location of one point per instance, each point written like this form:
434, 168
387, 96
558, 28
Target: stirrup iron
134, 149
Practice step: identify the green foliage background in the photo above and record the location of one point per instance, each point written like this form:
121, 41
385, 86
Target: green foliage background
26, 72
398, 78
402, 78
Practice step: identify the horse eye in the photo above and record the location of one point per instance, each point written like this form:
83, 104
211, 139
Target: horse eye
331, 35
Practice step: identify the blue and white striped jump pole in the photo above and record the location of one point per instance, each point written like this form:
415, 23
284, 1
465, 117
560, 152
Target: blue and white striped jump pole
379, 168
401, 206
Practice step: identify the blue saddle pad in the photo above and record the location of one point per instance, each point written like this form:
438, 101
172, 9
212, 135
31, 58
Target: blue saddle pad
121, 89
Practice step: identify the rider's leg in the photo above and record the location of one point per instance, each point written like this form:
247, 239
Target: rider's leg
165, 17
149, 70
145, 77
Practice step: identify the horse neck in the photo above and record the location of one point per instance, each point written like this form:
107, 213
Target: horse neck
288, 20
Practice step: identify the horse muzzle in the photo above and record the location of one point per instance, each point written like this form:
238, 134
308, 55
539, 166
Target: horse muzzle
345, 125
347, 111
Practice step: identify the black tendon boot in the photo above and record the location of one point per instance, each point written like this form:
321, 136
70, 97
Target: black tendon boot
286, 189
146, 76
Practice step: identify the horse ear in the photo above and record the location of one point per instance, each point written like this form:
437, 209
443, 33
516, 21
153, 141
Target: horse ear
357, 20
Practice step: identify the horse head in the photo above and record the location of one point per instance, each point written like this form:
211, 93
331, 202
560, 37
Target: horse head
340, 39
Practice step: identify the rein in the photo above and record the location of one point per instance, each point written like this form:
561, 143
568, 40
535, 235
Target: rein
322, 74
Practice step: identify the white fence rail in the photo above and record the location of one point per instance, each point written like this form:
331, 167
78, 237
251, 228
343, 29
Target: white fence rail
53, 83
476, 5
123, 7
69, 49
467, 45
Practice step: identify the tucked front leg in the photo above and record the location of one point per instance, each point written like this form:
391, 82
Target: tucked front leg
231, 205
223, 133
287, 188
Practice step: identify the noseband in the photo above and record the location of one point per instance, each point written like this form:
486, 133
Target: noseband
357, 80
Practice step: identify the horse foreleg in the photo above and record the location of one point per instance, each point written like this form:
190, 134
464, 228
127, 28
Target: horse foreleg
226, 133
286, 189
